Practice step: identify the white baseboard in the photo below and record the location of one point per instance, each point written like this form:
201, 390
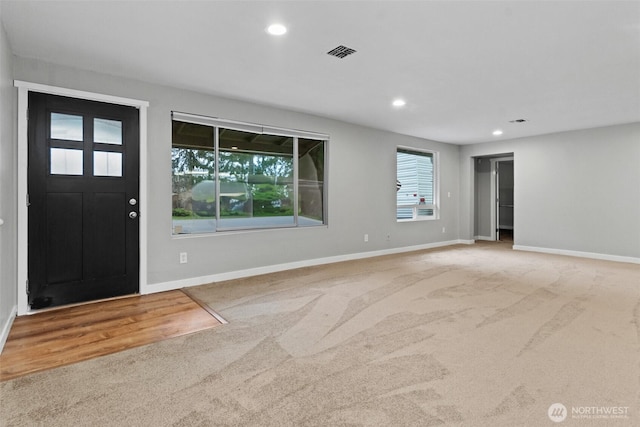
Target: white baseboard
239, 274
465, 242
6, 328
591, 255
484, 238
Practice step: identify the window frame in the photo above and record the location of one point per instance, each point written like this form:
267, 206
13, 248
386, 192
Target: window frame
416, 207
217, 123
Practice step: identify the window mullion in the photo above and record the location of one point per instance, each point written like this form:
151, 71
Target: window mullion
295, 180
216, 178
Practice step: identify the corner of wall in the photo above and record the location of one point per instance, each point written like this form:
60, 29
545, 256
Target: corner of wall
6, 327
8, 170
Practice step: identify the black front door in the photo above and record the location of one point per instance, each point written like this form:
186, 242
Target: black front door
83, 183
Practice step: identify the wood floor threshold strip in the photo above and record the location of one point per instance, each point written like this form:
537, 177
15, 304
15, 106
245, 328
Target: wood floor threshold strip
205, 306
68, 335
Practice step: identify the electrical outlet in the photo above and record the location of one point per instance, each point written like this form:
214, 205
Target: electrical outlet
183, 257
366, 237
443, 230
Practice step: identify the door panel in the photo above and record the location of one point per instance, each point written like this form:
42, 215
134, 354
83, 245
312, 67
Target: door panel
64, 237
111, 211
83, 169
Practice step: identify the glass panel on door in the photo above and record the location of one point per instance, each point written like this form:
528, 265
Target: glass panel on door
107, 131
65, 161
106, 163
66, 126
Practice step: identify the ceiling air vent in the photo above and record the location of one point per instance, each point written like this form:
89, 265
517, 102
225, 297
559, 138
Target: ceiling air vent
341, 51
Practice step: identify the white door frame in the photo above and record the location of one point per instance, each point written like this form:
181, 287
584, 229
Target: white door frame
494, 194
23, 128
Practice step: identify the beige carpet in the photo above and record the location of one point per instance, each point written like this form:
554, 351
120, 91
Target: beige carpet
469, 335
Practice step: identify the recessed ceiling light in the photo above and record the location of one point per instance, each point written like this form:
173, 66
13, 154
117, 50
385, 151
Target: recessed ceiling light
276, 29
497, 132
399, 102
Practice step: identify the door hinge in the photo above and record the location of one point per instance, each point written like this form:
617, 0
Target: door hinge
28, 203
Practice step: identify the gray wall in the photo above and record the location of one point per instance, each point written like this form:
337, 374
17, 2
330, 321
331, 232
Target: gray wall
7, 185
361, 183
574, 191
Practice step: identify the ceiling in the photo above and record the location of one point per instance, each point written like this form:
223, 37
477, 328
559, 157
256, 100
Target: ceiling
465, 68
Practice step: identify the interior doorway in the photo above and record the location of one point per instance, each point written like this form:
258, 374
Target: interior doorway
494, 197
504, 199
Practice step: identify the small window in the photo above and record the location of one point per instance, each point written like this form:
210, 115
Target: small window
416, 185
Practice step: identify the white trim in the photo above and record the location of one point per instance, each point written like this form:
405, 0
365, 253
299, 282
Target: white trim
144, 200
239, 274
23, 161
7, 327
493, 213
590, 255
23, 230
495, 219
484, 238
72, 93
245, 126
471, 199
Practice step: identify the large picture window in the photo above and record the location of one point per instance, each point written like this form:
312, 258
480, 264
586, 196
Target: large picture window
416, 185
231, 176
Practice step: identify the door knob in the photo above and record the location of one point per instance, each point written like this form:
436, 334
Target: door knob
133, 215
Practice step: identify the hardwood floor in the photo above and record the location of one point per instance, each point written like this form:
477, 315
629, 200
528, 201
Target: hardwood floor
68, 335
